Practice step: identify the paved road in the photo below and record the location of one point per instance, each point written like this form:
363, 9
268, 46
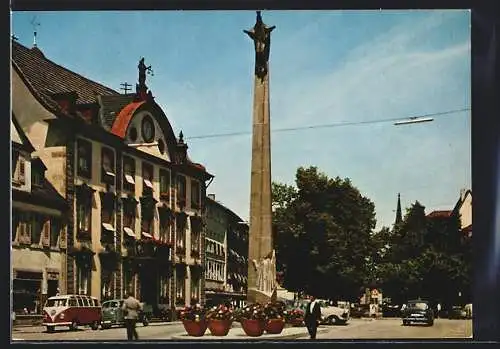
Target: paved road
393, 329
356, 329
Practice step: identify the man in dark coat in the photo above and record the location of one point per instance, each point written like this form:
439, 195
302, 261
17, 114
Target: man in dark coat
312, 317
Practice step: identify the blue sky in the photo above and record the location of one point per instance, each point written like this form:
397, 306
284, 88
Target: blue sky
325, 67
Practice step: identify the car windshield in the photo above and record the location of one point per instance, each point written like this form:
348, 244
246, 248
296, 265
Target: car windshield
57, 302
418, 305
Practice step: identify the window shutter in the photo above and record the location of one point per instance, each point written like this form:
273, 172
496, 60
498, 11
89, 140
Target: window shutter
46, 233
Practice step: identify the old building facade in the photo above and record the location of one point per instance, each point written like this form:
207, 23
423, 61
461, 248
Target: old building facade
226, 251
38, 235
135, 198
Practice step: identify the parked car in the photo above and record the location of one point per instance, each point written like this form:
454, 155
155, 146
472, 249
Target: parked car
72, 311
457, 312
391, 310
417, 311
112, 314
332, 314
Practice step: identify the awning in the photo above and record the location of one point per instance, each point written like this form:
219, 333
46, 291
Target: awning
129, 232
147, 235
129, 179
148, 183
108, 227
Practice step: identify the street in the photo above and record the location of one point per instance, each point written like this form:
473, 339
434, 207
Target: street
390, 328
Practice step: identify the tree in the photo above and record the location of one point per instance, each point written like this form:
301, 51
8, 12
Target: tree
324, 228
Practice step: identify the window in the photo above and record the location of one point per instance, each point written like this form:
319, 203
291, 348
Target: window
195, 288
72, 302
147, 177
164, 229
84, 211
128, 173
55, 230
180, 289
107, 166
84, 155
37, 177
147, 226
45, 231
165, 185
83, 280
181, 190
18, 168
129, 220
195, 194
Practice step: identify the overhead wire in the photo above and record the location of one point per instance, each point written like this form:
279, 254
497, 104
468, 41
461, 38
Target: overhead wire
330, 125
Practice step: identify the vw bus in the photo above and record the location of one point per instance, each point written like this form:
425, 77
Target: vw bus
72, 311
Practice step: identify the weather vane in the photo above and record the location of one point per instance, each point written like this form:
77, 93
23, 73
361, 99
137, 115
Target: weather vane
35, 24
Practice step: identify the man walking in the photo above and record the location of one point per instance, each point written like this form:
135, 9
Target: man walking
131, 308
312, 317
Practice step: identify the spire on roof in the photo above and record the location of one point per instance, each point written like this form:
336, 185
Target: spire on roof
35, 24
399, 217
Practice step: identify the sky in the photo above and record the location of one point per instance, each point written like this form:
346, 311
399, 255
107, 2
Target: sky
325, 67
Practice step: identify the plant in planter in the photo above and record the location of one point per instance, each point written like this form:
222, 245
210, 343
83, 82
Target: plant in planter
295, 317
253, 319
220, 319
194, 320
275, 317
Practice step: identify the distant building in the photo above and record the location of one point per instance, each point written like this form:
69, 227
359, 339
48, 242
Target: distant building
38, 229
135, 198
463, 209
226, 251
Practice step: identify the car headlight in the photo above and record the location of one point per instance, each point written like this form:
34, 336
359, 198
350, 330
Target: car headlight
61, 316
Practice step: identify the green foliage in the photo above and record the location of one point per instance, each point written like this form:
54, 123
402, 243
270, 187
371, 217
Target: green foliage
323, 234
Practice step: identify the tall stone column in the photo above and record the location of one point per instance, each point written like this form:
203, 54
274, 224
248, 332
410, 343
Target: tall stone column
260, 235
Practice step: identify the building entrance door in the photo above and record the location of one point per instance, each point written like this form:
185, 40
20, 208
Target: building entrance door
149, 285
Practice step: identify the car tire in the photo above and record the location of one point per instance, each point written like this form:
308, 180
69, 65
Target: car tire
430, 323
105, 327
95, 325
50, 329
332, 320
405, 323
73, 326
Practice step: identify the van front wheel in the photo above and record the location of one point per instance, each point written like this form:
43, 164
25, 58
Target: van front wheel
95, 325
73, 326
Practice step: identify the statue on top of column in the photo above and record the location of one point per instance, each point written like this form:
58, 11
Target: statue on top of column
261, 36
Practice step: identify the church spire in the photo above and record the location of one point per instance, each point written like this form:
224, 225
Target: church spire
399, 217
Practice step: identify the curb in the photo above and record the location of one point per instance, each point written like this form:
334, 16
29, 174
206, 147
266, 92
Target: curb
208, 337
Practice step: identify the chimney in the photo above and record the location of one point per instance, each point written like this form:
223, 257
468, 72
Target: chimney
211, 196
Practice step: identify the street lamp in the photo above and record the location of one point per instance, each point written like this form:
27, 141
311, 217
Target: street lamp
413, 120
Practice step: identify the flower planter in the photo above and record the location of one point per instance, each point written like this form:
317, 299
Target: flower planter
252, 328
219, 327
275, 326
297, 322
195, 328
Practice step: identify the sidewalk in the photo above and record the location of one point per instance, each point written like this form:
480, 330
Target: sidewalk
237, 333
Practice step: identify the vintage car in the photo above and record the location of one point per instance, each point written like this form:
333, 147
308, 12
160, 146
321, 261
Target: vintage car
71, 311
457, 312
417, 311
333, 314
112, 314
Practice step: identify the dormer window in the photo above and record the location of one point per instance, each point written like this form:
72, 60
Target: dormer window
18, 168
128, 174
84, 155
108, 166
37, 178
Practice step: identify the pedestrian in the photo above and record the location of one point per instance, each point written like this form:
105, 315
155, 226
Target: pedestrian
438, 310
131, 308
312, 317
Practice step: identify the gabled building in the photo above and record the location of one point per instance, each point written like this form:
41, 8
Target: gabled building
38, 235
226, 255
135, 197
463, 209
